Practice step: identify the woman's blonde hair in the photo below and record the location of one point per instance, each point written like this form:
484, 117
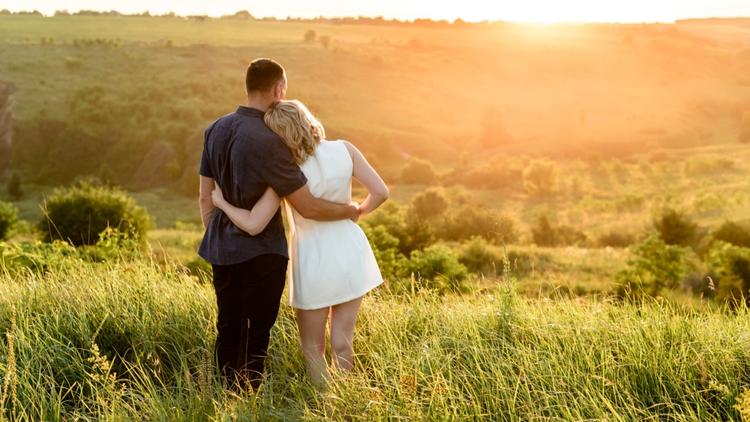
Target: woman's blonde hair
297, 126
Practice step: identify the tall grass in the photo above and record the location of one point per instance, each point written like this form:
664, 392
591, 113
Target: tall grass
133, 341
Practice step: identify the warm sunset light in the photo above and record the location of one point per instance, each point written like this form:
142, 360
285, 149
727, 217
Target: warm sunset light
375, 210
470, 10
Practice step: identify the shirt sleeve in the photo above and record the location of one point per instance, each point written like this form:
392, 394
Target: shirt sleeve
205, 166
281, 172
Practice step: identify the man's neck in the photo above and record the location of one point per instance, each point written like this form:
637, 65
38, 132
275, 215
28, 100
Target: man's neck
259, 103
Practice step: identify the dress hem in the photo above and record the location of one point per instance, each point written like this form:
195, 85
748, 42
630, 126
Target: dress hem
337, 301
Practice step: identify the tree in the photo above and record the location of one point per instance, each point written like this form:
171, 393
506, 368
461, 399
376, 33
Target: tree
675, 228
429, 204
418, 171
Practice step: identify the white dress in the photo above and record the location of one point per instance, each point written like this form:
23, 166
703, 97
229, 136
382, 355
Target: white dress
332, 261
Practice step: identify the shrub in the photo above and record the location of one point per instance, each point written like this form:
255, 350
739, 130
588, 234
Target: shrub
731, 266
478, 256
36, 256
540, 177
545, 234
733, 233
655, 265
385, 247
310, 35
675, 228
418, 171
429, 204
15, 191
8, 219
437, 267
80, 213
472, 220
71, 63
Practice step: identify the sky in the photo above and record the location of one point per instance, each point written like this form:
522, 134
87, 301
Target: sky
470, 10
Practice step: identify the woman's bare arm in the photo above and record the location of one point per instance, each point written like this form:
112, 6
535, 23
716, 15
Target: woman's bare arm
363, 171
251, 221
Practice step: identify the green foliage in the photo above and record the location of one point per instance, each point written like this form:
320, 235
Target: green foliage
655, 265
8, 219
14, 188
675, 227
437, 267
479, 257
465, 222
385, 247
419, 171
540, 177
134, 341
734, 233
80, 213
731, 265
429, 204
545, 234
38, 257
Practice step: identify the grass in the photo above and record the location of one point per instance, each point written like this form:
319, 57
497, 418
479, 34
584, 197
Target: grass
133, 341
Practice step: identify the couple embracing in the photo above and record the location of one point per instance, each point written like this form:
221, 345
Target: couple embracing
274, 150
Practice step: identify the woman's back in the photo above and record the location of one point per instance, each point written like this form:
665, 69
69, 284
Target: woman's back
332, 260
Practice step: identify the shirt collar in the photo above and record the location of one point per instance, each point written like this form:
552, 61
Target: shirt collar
250, 112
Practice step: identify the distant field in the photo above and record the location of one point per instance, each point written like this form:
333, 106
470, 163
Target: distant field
617, 89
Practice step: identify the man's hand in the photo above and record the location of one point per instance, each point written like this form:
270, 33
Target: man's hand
217, 197
314, 208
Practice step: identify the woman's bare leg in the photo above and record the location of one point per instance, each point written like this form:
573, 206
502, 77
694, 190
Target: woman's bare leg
343, 318
312, 333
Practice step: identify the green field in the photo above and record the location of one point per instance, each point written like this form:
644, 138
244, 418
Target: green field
599, 130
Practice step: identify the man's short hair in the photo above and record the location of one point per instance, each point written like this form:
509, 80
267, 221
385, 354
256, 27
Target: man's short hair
262, 75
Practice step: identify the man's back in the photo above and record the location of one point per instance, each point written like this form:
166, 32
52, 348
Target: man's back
245, 157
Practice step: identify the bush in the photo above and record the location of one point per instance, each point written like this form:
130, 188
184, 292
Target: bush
418, 171
471, 220
731, 266
655, 265
733, 233
80, 213
310, 35
675, 228
540, 177
8, 219
545, 234
478, 256
36, 256
429, 204
385, 247
436, 267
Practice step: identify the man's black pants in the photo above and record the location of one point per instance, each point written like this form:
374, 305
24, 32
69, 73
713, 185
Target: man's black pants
248, 296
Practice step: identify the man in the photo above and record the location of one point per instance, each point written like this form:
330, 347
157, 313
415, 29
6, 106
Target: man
244, 157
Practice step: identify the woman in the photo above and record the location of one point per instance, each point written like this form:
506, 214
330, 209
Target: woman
333, 266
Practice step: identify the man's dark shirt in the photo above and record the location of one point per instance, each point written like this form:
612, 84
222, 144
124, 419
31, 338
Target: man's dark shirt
245, 157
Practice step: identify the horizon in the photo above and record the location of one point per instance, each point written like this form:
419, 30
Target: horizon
537, 11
